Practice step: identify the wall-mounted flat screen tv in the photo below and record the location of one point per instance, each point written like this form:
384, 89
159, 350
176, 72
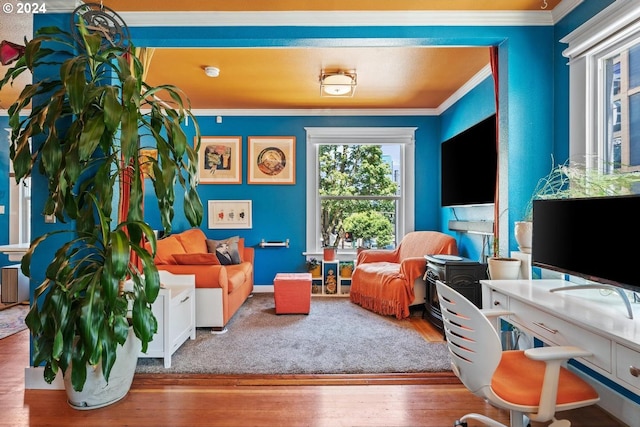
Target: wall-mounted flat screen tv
469, 166
593, 238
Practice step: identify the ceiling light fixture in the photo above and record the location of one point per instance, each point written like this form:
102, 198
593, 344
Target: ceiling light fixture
338, 83
212, 71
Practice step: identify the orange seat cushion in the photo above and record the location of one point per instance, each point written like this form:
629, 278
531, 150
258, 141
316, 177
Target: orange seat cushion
518, 380
237, 274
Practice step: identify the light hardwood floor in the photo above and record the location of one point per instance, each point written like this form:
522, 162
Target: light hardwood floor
332, 401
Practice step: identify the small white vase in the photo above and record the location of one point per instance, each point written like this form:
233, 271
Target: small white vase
504, 268
523, 231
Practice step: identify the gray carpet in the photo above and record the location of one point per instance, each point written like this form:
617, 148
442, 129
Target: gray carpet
336, 337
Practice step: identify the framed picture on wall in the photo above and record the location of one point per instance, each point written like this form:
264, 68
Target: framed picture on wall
147, 157
271, 160
220, 160
229, 213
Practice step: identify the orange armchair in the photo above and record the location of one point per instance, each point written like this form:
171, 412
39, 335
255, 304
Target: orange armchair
384, 280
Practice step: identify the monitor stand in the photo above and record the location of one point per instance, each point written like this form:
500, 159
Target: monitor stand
621, 292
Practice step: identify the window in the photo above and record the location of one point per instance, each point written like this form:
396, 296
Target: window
19, 205
20, 215
604, 58
621, 120
357, 193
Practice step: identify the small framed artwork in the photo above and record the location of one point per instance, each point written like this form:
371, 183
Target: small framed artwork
229, 213
147, 156
271, 160
220, 160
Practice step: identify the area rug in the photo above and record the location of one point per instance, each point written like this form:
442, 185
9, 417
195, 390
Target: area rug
336, 337
12, 320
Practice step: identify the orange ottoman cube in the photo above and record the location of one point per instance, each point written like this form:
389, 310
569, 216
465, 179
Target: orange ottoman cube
292, 293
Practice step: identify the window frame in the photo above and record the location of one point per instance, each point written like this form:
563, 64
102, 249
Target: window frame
20, 204
316, 136
588, 47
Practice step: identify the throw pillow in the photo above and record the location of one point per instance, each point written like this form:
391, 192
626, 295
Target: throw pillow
193, 241
196, 259
227, 250
166, 248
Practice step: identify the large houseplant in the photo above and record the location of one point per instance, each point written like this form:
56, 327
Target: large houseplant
87, 124
574, 179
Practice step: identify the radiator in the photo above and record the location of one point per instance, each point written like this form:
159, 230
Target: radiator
14, 285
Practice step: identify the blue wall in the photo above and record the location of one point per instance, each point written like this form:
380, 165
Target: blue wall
4, 187
476, 105
279, 211
533, 106
526, 66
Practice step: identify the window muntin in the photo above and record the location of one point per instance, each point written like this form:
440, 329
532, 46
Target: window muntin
360, 193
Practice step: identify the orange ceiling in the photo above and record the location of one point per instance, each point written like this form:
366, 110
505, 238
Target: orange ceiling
288, 78
408, 77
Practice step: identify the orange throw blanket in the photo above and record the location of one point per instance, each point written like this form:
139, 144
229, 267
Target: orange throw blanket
383, 279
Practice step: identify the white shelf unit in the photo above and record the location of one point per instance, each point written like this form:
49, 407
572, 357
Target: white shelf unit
175, 311
331, 282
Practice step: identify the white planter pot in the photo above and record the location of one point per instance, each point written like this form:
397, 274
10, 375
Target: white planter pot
523, 231
504, 268
96, 392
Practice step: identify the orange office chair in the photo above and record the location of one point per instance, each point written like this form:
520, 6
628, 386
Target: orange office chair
531, 384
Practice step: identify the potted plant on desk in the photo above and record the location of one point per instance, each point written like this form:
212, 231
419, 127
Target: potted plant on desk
574, 179
501, 267
87, 121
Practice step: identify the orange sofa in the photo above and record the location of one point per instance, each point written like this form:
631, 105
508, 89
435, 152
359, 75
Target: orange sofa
220, 289
389, 281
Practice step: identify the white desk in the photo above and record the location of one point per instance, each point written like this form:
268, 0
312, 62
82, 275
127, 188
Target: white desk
585, 318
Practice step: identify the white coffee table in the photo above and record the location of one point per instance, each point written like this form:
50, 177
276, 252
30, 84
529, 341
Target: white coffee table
175, 310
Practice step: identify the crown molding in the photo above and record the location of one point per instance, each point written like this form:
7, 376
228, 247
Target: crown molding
62, 6
338, 18
465, 88
335, 18
319, 112
563, 9
4, 112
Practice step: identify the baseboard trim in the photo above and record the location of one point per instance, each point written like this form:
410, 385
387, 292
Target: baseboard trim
34, 380
615, 404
